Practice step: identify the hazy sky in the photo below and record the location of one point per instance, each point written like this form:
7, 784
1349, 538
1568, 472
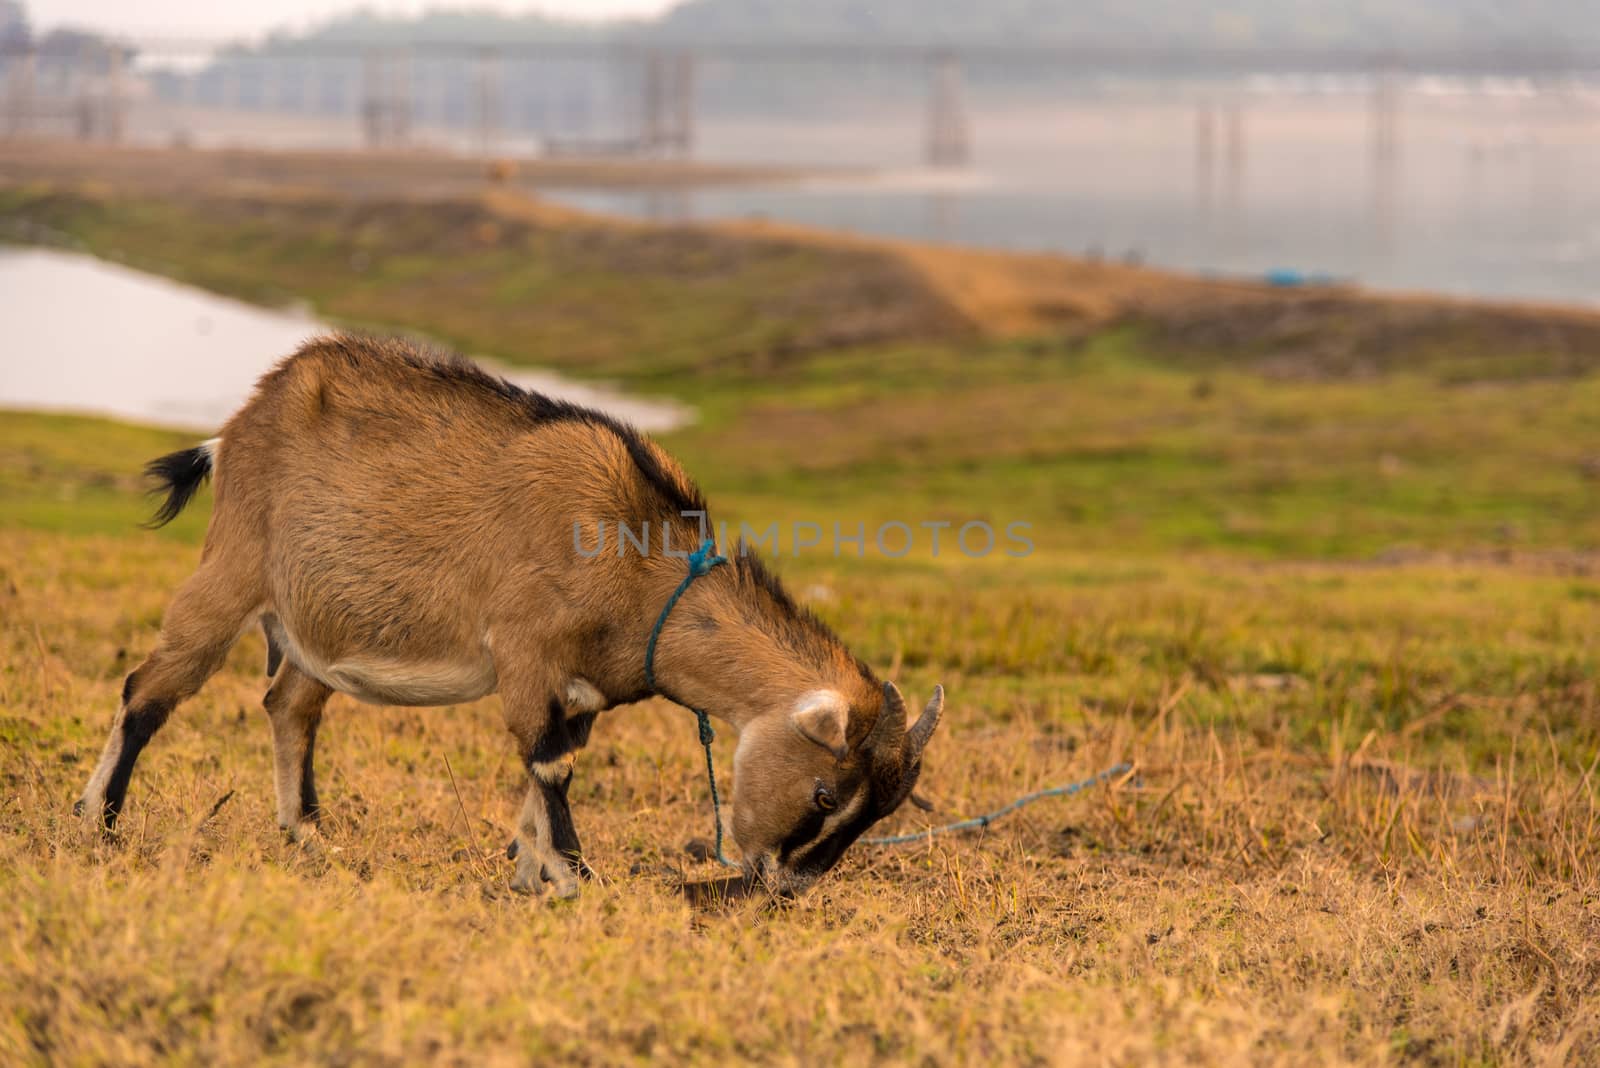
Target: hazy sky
210, 17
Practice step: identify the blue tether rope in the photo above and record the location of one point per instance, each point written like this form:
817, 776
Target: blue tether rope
701, 561
977, 822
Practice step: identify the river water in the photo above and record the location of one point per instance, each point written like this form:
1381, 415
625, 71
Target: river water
80, 334
1492, 187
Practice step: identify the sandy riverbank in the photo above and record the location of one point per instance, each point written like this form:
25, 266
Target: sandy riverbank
361, 174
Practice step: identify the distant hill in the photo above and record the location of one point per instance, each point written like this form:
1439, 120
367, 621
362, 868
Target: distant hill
1408, 24
600, 101
483, 27
1425, 24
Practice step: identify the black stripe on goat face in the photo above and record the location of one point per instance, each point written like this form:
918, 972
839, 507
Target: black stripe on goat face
814, 856
799, 802
814, 848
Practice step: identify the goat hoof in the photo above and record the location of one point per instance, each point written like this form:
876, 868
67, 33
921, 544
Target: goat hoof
305, 836
104, 824
541, 870
559, 887
530, 877
563, 887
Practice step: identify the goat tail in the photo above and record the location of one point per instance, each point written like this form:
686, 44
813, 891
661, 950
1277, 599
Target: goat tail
179, 475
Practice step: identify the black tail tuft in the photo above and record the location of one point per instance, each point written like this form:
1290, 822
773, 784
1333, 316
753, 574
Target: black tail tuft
178, 475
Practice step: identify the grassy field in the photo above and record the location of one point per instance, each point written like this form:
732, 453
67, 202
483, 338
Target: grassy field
1345, 621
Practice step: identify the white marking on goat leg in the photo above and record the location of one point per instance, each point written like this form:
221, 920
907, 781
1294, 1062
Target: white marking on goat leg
533, 831
538, 861
287, 770
92, 804
582, 696
553, 772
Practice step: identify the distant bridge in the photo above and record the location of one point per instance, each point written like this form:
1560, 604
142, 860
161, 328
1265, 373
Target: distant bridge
1091, 57
96, 82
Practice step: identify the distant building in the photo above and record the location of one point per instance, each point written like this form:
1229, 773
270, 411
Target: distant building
13, 23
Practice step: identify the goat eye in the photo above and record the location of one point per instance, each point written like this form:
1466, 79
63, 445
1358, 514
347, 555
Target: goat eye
824, 799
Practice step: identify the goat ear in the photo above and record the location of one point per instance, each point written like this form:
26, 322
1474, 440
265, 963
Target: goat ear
823, 717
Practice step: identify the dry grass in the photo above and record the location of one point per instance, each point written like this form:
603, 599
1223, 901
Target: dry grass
1364, 894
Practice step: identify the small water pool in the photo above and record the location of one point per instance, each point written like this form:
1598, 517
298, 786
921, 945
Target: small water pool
84, 335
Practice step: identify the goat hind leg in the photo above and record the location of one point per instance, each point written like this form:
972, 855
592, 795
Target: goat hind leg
201, 625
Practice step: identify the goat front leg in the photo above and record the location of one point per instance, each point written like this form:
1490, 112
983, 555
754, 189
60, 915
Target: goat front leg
547, 849
201, 624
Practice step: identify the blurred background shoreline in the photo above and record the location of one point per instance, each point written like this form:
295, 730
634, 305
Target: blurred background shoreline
536, 264
1419, 151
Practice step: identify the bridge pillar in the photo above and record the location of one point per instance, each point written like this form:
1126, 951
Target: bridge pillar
1205, 141
683, 97
489, 92
385, 97
267, 82
1385, 117
401, 90
949, 142
20, 88
1236, 149
652, 102
116, 109
1385, 170
228, 96
666, 104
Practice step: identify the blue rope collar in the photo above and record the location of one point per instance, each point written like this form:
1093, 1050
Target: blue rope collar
701, 561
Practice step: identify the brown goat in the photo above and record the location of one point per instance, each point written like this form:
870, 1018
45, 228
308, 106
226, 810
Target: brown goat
406, 529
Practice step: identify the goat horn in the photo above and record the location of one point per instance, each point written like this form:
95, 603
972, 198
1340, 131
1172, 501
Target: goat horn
887, 733
917, 737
